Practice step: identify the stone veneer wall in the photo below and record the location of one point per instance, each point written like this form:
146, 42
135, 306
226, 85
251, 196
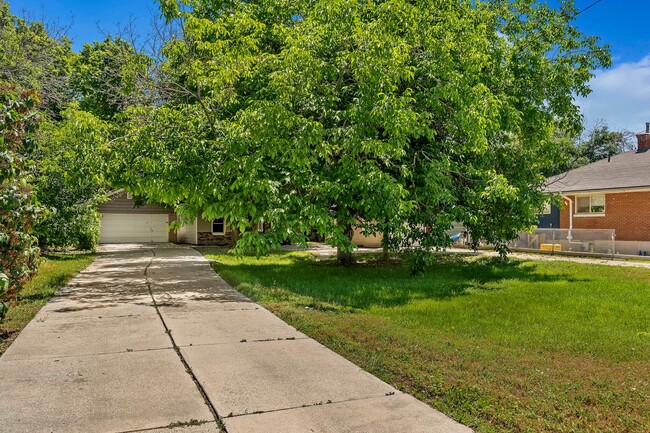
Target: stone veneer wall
207, 238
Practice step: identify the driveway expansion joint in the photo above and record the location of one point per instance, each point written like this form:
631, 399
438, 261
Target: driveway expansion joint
177, 349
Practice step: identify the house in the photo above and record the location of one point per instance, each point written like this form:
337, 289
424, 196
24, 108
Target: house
125, 220
610, 194
209, 232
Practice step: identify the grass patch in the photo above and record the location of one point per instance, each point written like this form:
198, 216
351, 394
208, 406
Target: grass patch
527, 346
55, 270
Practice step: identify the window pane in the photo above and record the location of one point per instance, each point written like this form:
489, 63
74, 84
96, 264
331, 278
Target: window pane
218, 226
598, 203
583, 205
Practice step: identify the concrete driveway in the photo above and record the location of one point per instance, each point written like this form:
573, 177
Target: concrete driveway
149, 338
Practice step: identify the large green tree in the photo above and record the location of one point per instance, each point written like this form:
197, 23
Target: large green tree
600, 142
32, 58
82, 98
70, 178
109, 76
399, 116
569, 151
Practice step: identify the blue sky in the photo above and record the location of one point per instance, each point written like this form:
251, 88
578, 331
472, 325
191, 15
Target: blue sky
621, 95
90, 20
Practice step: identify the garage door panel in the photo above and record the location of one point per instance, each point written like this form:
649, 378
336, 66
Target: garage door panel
133, 228
158, 225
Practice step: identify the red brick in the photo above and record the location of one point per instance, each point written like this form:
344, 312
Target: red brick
627, 213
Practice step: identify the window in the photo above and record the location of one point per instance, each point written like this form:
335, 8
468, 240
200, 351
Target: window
593, 204
129, 196
260, 226
219, 226
547, 209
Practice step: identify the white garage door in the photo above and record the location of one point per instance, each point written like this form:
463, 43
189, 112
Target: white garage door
122, 227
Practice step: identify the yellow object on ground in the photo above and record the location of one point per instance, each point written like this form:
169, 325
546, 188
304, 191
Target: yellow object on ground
550, 247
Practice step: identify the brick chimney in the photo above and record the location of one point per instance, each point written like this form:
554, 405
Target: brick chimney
644, 139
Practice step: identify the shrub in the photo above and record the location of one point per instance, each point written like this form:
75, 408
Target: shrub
19, 209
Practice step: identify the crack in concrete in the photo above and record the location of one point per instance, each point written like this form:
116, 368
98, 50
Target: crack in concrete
177, 349
304, 406
266, 340
179, 425
82, 355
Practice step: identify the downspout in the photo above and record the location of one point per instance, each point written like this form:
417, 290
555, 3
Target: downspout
569, 236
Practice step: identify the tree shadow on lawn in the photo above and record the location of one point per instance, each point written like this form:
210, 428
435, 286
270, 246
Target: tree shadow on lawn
366, 285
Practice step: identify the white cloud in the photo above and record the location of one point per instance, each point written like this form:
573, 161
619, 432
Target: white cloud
621, 96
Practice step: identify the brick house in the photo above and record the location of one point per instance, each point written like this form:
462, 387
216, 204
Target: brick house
613, 193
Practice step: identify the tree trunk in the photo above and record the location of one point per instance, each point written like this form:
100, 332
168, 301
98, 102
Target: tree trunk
345, 258
384, 245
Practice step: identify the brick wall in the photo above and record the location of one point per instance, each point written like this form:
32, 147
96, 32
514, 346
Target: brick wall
627, 213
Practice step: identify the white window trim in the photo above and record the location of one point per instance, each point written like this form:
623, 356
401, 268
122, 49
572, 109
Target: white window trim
589, 214
212, 227
129, 196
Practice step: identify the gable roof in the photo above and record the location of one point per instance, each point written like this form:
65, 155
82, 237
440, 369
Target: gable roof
629, 170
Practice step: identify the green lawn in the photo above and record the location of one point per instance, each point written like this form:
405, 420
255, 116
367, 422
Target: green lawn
528, 346
54, 272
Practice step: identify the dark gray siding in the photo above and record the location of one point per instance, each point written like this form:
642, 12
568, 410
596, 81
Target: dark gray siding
549, 221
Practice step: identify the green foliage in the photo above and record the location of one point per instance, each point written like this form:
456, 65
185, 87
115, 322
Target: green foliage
108, 76
563, 154
67, 171
4, 285
600, 143
567, 152
18, 207
32, 59
70, 179
399, 116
